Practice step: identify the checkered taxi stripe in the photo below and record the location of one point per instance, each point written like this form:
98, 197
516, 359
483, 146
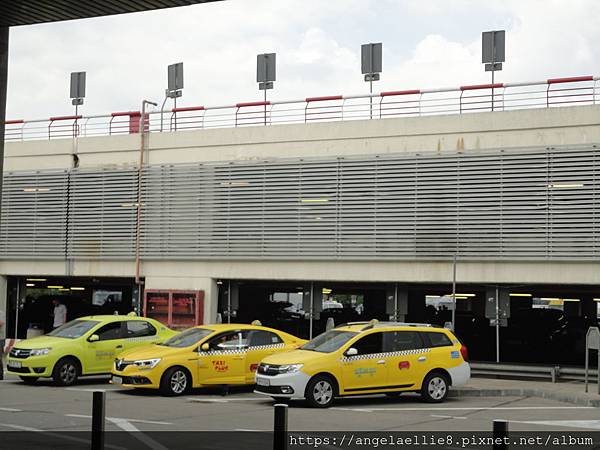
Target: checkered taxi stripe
386, 355
240, 351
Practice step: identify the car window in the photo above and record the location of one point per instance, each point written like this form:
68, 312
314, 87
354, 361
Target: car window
187, 337
395, 341
260, 337
139, 328
74, 329
370, 344
329, 341
231, 340
437, 339
110, 331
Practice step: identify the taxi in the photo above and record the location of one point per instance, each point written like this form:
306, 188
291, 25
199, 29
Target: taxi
222, 354
84, 346
367, 358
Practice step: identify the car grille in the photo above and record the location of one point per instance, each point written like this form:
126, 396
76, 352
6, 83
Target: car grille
19, 369
20, 353
268, 369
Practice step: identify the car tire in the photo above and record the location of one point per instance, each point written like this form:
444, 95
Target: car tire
66, 372
435, 388
175, 381
320, 391
29, 380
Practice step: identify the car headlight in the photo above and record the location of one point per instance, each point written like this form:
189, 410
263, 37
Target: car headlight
146, 363
40, 351
290, 368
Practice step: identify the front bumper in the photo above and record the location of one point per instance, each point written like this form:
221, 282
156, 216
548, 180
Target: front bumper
32, 366
133, 377
287, 385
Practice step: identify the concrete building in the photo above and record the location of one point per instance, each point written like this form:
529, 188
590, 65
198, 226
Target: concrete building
281, 222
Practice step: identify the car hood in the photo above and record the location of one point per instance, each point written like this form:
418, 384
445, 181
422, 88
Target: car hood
43, 342
150, 352
294, 357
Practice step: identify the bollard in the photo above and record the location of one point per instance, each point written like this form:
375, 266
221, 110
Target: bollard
98, 413
280, 427
500, 431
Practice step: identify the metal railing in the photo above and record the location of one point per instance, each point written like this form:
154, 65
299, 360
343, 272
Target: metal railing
550, 93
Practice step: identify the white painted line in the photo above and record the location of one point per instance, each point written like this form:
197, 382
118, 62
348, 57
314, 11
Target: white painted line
448, 417
152, 422
590, 424
11, 410
91, 389
249, 429
226, 400
58, 435
136, 433
473, 408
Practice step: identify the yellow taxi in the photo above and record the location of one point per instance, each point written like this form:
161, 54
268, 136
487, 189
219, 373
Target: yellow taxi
84, 346
367, 358
223, 354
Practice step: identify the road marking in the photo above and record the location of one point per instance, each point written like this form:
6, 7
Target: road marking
473, 408
58, 435
226, 400
91, 389
11, 410
249, 429
591, 424
125, 425
152, 422
448, 417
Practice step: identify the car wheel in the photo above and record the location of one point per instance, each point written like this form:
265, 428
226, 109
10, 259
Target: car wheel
320, 391
175, 381
435, 388
66, 372
29, 380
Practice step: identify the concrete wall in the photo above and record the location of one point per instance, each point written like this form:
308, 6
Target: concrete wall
450, 133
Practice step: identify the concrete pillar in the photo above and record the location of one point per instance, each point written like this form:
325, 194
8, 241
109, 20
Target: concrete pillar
3, 82
208, 285
4, 306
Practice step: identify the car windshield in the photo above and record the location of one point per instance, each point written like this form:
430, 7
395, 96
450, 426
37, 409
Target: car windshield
329, 341
187, 337
74, 329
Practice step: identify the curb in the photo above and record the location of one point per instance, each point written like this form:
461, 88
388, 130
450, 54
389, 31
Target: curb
575, 399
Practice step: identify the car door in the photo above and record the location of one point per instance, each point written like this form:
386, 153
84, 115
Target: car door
225, 359
367, 369
103, 351
261, 343
138, 333
406, 358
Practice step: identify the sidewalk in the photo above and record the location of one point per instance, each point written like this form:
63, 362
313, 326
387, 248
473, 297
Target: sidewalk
566, 391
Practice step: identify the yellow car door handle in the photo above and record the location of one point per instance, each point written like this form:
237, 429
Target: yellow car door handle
422, 358
381, 361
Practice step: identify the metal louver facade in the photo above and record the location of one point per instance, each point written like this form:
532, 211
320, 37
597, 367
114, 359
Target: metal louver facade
517, 204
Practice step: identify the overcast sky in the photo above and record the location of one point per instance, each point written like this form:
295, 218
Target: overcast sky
426, 43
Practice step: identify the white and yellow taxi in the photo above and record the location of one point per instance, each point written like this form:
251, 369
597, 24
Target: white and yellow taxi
223, 354
367, 358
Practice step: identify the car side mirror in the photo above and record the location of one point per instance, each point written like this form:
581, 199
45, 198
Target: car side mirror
351, 352
94, 338
205, 347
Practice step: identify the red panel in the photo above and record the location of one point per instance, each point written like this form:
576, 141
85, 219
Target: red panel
13, 122
570, 79
241, 105
127, 113
53, 119
324, 99
408, 92
188, 108
481, 86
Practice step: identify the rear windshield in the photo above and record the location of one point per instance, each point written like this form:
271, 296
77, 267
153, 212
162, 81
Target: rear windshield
329, 341
187, 337
74, 329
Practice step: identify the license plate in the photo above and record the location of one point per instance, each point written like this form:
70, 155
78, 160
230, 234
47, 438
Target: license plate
263, 382
116, 380
14, 364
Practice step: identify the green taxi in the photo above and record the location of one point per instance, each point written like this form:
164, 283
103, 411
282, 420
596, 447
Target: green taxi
84, 346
